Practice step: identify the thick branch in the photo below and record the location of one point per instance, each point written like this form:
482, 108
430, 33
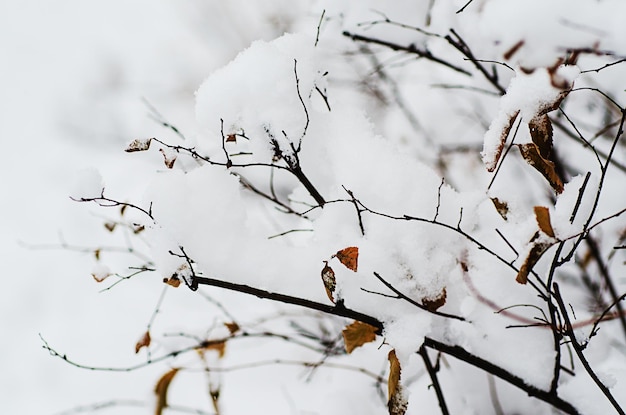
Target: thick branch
462, 354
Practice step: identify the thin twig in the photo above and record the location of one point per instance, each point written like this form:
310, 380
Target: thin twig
433, 377
569, 332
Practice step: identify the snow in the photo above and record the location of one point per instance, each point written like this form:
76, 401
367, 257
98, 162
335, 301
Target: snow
87, 184
528, 95
205, 216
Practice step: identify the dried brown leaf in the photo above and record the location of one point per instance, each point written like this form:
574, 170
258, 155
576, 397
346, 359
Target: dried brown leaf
169, 158
509, 53
432, 304
231, 138
501, 207
161, 390
396, 403
143, 342
349, 257
492, 164
540, 128
357, 334
219, 346
530, 153
97, 254
110, 226
173, 281
232, 327
138, 145
330, 283
535, 253
542, 214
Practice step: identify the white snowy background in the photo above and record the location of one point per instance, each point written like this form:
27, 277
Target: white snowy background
75, 77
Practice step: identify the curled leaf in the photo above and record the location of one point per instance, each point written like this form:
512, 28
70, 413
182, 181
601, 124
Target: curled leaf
540, 128
110, 226
537, 249
143, 342
491, 158
138, 145
501, 207
397, 403
230, 138
219, 346
432, 304
357, 334
161, 390
232, 327
542, 214
174, 281
530, 153
349, 257
330, 283
169, 157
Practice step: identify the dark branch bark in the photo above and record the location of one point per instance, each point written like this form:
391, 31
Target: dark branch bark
455, 351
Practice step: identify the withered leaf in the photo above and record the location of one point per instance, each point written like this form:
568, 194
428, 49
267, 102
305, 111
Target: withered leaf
432, 304
330, 283
168, 158
492, 164
357, 334
530, 153
123, 209
218, 346
173, 281
541, 133
349, 257
509, 53
110, 226
138, 145
501, 207
397, 404
97, 254
232, 327
161, 390
138, 228
542, 214
535, 253
231, 138
143, 342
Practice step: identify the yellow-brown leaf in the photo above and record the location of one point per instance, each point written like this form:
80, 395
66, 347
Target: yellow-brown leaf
143, 342
161, 390
357, 334
530, 153
542, 214
396, 403
535, 253
349, 257
218, 346
174, 281
232, 327
110, 226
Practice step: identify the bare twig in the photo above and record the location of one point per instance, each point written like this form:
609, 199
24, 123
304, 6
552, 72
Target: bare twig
578, 348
